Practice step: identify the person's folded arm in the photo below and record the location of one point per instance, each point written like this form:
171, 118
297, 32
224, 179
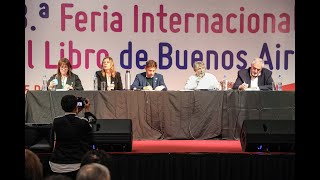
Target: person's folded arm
136, 84
119, 83
161, 83
191, 83
268, 85
78, 84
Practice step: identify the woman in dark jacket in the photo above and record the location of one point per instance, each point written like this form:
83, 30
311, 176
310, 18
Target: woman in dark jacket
109, 74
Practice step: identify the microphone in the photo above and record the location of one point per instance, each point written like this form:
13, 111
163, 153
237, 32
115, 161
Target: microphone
197, 82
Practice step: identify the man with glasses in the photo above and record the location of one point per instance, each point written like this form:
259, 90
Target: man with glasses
255, 77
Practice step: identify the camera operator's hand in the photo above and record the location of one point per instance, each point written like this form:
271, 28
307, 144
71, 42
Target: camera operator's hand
87, 105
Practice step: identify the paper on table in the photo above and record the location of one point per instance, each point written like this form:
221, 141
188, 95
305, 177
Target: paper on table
252, 89
62, 89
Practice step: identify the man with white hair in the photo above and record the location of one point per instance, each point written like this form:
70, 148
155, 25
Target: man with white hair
93, 171
201, 79
255, 77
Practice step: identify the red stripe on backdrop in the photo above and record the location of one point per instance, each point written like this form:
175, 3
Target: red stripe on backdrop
289, 87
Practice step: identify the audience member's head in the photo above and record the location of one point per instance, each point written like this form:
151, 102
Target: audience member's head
33, 169
57, 177
97, 156
69, 103
93, 171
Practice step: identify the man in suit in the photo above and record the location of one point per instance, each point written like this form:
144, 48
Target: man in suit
149, 80
256, 77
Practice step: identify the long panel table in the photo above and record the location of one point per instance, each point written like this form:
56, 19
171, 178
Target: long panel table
172, 114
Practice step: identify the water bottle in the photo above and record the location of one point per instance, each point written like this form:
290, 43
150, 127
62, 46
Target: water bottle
224, 83
127, 80
279, 83
95, 83
44, 83
55, 83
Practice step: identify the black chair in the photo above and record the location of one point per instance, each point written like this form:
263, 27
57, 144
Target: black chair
37, 137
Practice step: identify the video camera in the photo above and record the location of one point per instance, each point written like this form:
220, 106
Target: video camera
81, 101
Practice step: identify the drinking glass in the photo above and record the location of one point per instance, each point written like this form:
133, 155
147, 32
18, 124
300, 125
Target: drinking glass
103, 85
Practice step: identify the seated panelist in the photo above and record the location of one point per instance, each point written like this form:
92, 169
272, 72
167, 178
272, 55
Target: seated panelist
255, 77
109, 74
65, 78
149, 80
201, 79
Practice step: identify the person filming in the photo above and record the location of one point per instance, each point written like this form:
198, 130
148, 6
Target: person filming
70, 136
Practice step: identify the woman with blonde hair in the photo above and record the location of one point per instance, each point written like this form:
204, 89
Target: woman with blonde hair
108, 74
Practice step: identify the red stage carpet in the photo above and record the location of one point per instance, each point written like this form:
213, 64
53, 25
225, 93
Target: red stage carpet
186, 146
190, 146
195, 159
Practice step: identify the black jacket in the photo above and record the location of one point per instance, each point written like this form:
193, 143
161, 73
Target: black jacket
115, 80
264, 80
72, 138
73, 81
